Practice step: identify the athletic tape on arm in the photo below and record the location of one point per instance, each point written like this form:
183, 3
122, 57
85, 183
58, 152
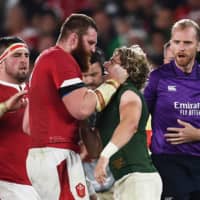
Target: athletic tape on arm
104, 93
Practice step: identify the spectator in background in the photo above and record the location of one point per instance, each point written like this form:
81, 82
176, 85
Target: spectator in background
16, 23
14, 143
137, 13
167, 53
106, 32
48, 22
45, 41
155, 50
94, 76
163, 20
172, 95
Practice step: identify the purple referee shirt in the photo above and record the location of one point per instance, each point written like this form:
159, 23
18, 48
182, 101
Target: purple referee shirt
170, 95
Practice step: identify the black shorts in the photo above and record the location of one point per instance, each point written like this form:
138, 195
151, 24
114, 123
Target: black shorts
180, 175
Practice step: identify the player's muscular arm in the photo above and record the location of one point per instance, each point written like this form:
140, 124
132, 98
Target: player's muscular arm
80, 103
130, 112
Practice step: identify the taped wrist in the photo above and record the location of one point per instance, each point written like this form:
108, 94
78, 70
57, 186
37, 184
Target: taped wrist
109, 150
104, 93
3, 109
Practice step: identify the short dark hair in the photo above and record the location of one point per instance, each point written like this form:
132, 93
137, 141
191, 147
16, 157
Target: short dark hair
98, 56
7, 41
78, 23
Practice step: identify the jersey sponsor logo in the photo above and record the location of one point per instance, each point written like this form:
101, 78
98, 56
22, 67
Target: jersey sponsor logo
80, 190
187, 108
171, 88
118, 163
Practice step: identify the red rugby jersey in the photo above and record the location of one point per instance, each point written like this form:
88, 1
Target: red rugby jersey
55, 74
14, 143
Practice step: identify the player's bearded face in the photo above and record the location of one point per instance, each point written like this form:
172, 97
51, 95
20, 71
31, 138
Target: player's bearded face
81, 55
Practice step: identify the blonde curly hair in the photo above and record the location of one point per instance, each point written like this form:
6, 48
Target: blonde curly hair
134, 60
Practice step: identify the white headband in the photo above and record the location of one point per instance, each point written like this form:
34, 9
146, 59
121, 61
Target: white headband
11, 49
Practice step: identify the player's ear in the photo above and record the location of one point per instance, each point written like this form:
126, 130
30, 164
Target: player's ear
74, 40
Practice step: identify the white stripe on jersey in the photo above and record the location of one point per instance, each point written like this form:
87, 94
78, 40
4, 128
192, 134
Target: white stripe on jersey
16, 86
70, 82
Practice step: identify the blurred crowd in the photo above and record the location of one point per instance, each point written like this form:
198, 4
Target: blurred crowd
145, 22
